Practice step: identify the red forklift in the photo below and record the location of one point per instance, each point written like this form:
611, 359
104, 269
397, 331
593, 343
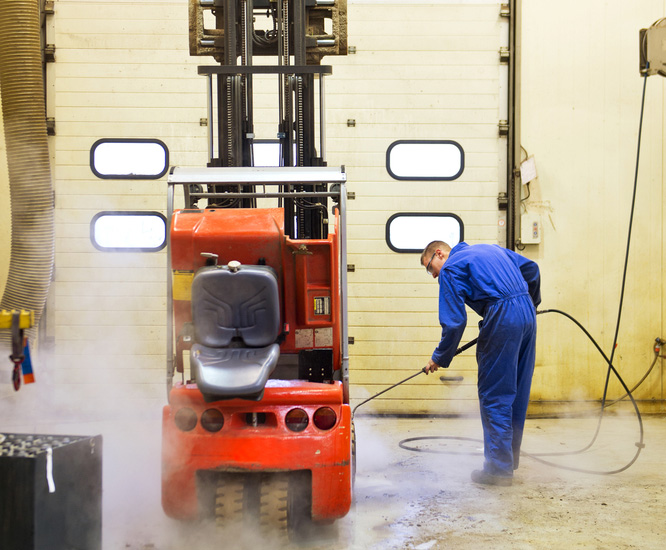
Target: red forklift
258, 426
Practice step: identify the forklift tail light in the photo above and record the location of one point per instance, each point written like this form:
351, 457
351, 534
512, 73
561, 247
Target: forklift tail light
325, 418
186, 419
212, 420
296, 420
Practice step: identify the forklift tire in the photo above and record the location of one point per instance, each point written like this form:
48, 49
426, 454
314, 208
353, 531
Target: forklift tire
273, 504
229, 500
281, 501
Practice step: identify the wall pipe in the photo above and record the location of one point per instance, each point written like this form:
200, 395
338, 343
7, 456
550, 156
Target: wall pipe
30, 184
513, 143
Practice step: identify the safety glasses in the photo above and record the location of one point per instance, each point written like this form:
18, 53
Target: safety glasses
430, 262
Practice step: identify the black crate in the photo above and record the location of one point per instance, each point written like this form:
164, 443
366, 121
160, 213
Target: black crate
32, 517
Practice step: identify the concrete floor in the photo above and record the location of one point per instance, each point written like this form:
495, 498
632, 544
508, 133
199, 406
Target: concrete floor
418, 500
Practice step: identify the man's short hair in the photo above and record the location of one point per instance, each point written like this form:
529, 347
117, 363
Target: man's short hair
429, 250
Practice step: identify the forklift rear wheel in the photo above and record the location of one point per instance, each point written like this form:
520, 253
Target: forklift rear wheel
281, 501
273, 509
229, 500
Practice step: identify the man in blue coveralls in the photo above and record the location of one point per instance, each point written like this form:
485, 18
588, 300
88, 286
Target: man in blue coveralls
504, 289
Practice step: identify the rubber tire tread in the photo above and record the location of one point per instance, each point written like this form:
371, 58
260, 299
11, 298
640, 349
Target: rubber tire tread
229, 499
273, 509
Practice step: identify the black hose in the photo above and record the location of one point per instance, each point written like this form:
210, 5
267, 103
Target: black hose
640, 445
537, 456
638, 384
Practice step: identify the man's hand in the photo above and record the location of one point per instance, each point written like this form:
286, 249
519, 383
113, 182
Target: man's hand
431, 366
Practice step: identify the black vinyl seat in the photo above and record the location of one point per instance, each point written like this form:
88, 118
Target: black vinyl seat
236, 318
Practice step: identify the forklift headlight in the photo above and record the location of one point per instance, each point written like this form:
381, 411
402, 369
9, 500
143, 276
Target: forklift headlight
212, 420
325, 418
296, 420
186, 419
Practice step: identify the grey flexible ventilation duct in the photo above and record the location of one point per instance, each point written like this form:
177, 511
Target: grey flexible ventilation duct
31, 189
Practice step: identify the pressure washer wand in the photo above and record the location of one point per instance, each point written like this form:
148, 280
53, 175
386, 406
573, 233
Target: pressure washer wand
458, 351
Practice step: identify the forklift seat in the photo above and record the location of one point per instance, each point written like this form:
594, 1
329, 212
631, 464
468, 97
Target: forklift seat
236, 319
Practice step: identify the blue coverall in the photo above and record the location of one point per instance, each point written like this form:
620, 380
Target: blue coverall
504, 289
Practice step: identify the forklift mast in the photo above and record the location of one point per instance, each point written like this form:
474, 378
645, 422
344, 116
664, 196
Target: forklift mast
295, 37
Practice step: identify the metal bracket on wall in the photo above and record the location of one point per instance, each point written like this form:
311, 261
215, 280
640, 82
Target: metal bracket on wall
50, 126
503, 126
502, 201
49, 53
504, 55
505, 10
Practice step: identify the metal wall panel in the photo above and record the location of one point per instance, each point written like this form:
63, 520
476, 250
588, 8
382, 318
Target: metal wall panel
421, 70
122, 70
581, 105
